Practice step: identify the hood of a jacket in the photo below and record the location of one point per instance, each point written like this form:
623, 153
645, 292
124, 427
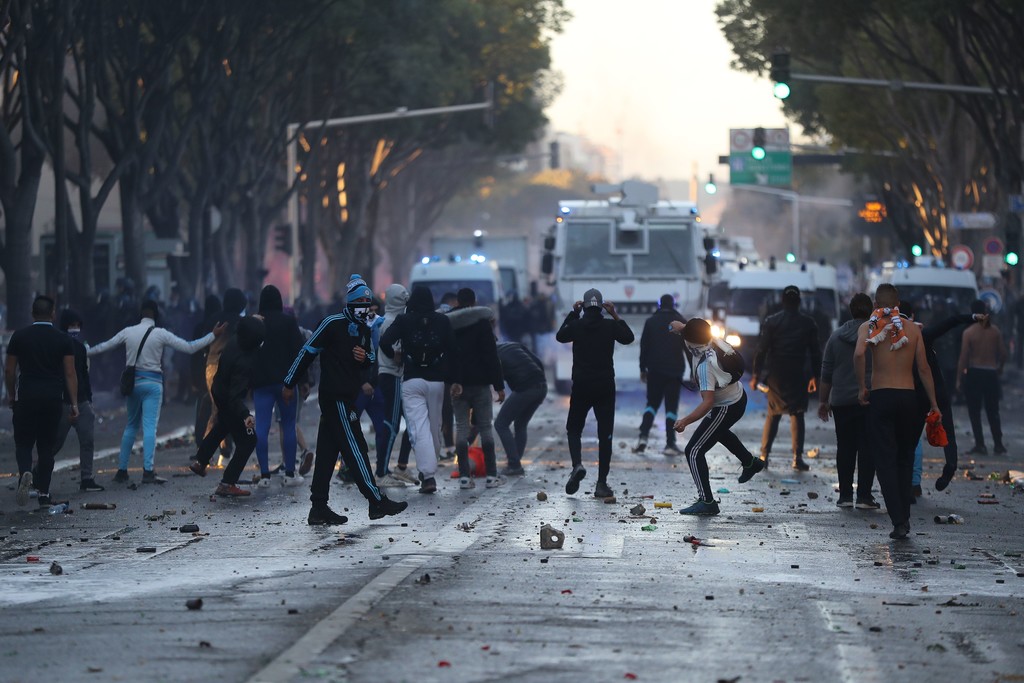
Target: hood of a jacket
464, 317
396, 301
421, 300
234, 301
270, 300
848, 330
250, 333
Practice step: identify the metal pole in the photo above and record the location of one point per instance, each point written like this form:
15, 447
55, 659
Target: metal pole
797, 250
293, 214
901, 85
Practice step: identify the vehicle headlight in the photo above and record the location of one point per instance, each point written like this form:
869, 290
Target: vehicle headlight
733, 340
717, 332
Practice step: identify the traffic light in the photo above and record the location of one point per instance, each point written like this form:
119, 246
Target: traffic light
478, 239
916, 250
710, 186
553, 147
283, 238
1013, 239
790, 257
757, 151
780, 74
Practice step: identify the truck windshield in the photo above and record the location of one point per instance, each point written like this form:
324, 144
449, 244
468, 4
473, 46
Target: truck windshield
671, 251
751, 302
484, 289
934, 303
586, 251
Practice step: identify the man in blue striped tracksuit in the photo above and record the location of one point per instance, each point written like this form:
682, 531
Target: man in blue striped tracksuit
723, 402
343, 343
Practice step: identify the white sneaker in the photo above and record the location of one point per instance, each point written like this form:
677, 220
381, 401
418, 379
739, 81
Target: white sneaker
24, 486
390, 481
406, 476
263, 483
466, 483
294, 480
495, 482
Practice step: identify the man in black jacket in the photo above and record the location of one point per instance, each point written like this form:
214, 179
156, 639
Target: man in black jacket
428, 344
787, 339
473, 377
524, 374
343, 343
661, 368
85, 425
229, 389
593, 340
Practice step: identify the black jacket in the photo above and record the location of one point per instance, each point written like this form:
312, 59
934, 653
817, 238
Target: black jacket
234, 305
341, 375
477, 352
233, 380
82, 370
593, 340
787, 339
522, 369
661, 351
284, 341
421, 305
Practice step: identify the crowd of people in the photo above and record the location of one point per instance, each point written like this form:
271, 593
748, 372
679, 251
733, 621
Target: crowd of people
404, 358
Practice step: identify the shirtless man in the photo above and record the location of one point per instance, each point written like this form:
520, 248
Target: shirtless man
893, 421
982, 356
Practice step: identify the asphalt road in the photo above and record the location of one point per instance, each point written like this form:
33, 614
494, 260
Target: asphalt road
802, 591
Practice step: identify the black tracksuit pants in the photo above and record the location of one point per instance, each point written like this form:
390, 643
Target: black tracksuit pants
894, 425
340, 432
35, 422
599, 396
715, 428
981, 387
661, 387
853, 451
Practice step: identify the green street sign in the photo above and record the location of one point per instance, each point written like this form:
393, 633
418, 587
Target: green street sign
774, 169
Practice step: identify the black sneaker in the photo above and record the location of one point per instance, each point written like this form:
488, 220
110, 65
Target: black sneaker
385, 507
1000, 449
428, 484
641, 445
749, 471
575, 477
517, 471
321, 515
345, 476
149, 477
942, 482
44, 500
90, 485
601, 490
978, 450
705, 508
799, 465
121, 477
307, 463
845, 502
900, 532
867, 504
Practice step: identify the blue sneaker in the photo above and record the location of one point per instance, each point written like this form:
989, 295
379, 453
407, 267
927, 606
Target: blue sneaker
702, 507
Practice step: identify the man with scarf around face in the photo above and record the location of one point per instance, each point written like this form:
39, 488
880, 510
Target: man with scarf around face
342, 341
723, 403
593, 340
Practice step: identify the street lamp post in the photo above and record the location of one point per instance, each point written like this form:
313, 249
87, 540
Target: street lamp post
796, 198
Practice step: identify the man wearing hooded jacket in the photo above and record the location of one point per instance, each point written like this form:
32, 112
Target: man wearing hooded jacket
593, 340
389, 383
342, 342
661, 369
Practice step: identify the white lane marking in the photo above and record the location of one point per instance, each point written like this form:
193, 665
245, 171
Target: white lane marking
68, 463
288, 664
449, 541
854, 663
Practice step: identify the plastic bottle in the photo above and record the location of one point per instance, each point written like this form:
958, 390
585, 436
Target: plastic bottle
59, 509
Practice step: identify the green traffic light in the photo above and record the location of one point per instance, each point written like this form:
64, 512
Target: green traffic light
790, 257
781, 90
758, 153
1011, 258
916, 250
710, 188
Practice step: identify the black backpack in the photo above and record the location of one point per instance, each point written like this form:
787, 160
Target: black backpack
423, 347
730, 360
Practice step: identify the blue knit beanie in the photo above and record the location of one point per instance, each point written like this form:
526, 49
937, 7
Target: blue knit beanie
357, 291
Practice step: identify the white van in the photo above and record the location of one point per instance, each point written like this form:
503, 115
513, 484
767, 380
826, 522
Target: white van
754, 294
442, 277
933, 291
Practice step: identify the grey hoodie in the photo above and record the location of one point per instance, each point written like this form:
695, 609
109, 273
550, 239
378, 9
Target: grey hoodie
837, 364
394, 306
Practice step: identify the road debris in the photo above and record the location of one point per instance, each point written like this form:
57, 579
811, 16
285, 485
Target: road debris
188, 528
551, 538
541, 496
663, 505
56, 569
812, 495
637, 510
194, 604
694, 541
423, 580
649, 527
949, 519
99, 506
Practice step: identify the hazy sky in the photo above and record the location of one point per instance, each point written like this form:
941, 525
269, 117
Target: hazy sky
651, 80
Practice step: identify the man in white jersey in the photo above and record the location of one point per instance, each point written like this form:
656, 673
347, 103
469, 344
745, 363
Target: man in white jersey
716, 370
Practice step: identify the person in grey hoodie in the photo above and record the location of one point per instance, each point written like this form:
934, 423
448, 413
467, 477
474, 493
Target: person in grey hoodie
389, 383
838, 394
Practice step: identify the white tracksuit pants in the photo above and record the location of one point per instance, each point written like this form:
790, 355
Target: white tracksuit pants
421, 404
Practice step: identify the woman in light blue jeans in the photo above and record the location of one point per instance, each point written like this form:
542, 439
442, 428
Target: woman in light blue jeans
144, 348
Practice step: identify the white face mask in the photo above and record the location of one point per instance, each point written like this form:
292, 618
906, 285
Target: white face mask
697, 349
360, 313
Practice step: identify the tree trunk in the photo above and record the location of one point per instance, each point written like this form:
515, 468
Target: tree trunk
132, 233
19, 208
307, 250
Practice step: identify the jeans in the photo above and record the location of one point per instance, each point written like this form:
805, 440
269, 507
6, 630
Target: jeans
853, 451
143, 407
85, 427
265, 398
373, 405
422, 402
475, 398
390, 389
35, 426
517, 410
